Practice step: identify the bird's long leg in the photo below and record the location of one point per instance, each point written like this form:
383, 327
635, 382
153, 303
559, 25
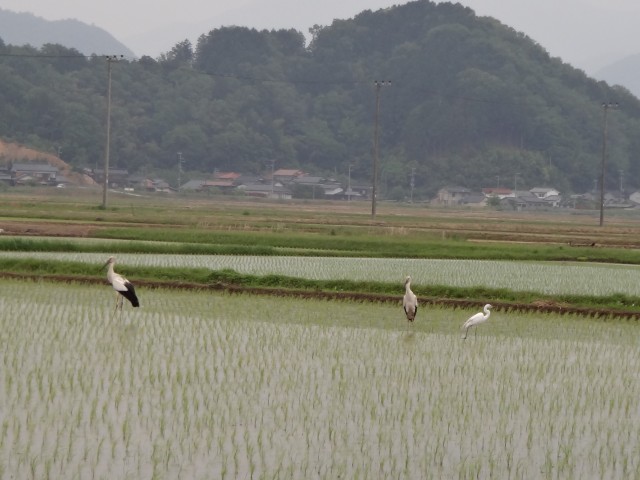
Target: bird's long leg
116, 305
121, 299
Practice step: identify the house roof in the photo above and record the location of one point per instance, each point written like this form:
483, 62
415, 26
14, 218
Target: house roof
226, 175
112, 171
353, 193
474, 198
285, 172
456, 189
218, 183
635, 197
160, 184
309, 179
33, 167
496, 191
333, 191
193, 185
542, 189
523, 193
247, 178
263, 188
528, 198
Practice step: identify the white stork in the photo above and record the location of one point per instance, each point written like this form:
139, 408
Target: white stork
476, 319
409, 302
123, 287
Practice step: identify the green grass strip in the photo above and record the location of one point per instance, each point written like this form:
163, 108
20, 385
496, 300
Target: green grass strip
230, 277
252, 243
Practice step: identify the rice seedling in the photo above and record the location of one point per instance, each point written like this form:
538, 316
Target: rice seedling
195, 385
541, 277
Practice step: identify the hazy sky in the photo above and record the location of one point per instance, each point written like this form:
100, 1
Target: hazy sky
586, 33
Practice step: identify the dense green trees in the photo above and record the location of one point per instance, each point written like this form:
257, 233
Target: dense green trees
472, 101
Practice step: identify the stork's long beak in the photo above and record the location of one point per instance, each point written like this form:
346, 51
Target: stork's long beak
105, 265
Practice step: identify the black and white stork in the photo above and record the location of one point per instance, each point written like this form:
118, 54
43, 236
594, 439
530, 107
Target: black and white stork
123, 287
409, 301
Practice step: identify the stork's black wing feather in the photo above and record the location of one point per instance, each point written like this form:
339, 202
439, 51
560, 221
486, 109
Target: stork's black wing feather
130, 294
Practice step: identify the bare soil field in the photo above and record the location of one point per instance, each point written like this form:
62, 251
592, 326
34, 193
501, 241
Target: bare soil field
568, 227
46, 229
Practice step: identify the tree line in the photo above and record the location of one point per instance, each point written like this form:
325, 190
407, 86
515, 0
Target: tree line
472, 103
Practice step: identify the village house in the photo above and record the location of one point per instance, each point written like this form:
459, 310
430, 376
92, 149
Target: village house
278, 192
226, 182
617, 199
545, 192
497, 192
357, 192
5, 176
525, 200
285, 176
248, 179
137, 182
474, 200
321, 187
194, 185
450, 196
157, 185
118, 177
222, 184
229, 177
635, 198
33, 172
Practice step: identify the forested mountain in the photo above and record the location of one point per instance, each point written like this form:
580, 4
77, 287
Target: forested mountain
472, 103
28, 29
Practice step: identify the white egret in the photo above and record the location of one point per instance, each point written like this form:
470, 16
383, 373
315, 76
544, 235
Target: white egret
123, 287
410, 301
474, 320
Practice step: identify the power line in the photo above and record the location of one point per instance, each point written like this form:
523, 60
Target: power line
254, 79
191, 70
247, 78
271, 80
45, 55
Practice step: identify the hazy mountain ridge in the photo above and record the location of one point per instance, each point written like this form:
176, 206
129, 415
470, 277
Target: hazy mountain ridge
625, 72
22, 28
28, 29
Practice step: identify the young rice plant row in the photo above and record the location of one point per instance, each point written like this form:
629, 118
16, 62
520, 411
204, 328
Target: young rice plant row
199, 386
546, 278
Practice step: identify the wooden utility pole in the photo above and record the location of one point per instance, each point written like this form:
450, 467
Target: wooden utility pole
605, 109
105, 186
376, 152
